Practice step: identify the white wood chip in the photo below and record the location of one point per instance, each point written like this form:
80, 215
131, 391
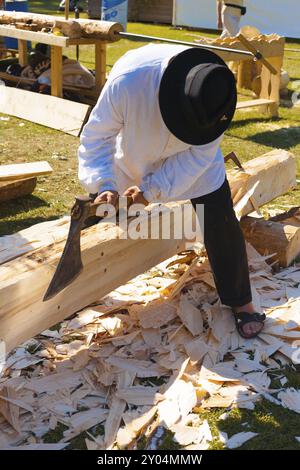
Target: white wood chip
140, 395
239, 439
190, 316
290, 398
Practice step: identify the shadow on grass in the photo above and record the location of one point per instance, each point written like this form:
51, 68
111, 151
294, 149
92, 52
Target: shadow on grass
243, 122
8, 227
284, 138
22, 204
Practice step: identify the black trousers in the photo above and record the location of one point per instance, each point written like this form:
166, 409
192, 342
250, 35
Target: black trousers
225, 246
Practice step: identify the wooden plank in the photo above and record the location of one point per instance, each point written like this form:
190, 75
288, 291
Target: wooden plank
271, 84
35, 36
57, 113
23, 52
56, 71
23, 170
268, 237
254, 103
100, 64
10, 190
109, 261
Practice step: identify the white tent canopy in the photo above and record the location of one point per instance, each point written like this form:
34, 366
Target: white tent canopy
269, 16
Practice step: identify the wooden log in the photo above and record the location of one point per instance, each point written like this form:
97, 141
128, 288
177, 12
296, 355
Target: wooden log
274, 173
68, 28
10, 190
104, 30
108, 263
23, 170
270, 236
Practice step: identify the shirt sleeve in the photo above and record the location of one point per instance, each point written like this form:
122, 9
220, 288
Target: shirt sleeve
98, 141
178, 173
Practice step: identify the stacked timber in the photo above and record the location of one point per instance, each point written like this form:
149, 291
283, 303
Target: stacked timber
73, 29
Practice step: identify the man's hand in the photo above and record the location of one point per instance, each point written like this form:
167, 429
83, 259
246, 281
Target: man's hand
109, 197
220, 24
136, 195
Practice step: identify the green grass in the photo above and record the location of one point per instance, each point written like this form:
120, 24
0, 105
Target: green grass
250, 135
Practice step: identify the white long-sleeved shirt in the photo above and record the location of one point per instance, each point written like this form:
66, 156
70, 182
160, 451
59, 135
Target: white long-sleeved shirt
126, 141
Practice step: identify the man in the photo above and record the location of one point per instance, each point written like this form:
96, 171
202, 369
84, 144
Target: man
229, 16
155, 135
73, 4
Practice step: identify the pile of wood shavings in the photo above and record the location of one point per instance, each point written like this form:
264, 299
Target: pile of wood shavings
142, 361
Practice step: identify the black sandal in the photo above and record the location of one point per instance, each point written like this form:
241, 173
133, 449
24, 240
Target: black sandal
242, 318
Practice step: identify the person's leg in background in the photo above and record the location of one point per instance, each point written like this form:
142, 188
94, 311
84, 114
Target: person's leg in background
226, 250
73, 5
231, 18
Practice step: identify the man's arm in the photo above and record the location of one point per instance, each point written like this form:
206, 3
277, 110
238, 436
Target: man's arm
219, 14
98, 141
178, 173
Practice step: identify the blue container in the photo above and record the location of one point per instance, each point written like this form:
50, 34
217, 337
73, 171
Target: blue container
14, 5
115, 10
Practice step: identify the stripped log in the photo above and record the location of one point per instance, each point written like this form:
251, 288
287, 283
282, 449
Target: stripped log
105, 30
281, 238
74, 29
68, 28
10, 190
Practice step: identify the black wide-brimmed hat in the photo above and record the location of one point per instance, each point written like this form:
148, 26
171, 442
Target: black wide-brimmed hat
197, 96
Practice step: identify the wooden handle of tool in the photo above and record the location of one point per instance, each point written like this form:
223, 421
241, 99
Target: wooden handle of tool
95, 206
252, 49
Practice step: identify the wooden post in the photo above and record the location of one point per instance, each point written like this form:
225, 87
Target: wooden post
100, 64
270, 88
174, 13
56, 71
22, 47
67, 9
